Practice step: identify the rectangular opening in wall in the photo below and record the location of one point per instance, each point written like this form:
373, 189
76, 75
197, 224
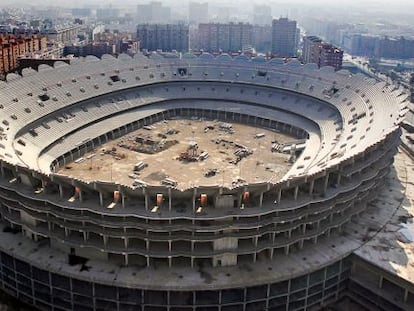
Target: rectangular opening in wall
115, 78
182, 72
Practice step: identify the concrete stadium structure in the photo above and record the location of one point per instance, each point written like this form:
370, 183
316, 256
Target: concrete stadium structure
68, 244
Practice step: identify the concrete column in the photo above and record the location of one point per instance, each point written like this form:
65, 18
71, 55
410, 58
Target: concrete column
304, 228
169, 246
126, 259
287, 250
381, 280
123, 200
105, 240
325, 184
315, 240
169, 199
256, 241
85, 236
192, 262
147, 244
405, 295
271, 252
43, 185
80, 196
2, 169
146, 200
279, 195
100, 198
311, 186
148, 261
194, 199
295, 195
290, 233
169, 261
126, 242
254, 257
273, 237
261, 199
60, 191
66, 232
338, 179
301, 244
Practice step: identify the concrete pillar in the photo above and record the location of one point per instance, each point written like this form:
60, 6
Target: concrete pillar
85, 236
192, 262
100, 198
338, 179
60, 191
287, 250
304, 228
256, 241
271, 253
261, 199
380, 281
43, 185
123, 200
311, 186
405, 295
146, 200
325, 184
273, 237
169, 246
126, 259
279, 195
148, 261
295, 195
80, 196
315, 240
254, 257
169, 261
105, 240
194, 199
66, 232
169, 199
2, 169
126, 242
301, 244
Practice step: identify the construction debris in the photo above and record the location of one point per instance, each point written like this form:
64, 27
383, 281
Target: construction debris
146, 144
169, 182
211, 172
227, 128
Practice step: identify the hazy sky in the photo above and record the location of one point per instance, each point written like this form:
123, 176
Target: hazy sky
391, 3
